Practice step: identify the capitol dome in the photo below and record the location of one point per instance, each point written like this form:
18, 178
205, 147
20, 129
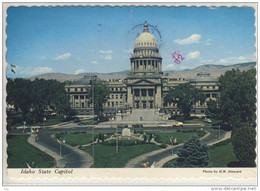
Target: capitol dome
145, 39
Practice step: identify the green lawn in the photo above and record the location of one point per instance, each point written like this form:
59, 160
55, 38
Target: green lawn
17, 120
20, 151
181, 137
106, 156
222, 155
51, 121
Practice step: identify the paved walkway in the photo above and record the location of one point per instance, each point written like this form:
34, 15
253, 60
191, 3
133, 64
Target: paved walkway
160, 163
132, 163
71, 157
60, 161
226, 136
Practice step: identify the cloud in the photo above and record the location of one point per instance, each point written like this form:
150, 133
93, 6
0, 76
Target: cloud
94, 62
238, 59
28, 71
128, 50
79, 71
208, 42
194, 55
206, 61
194, 38
65, 56
105, 51
108, 57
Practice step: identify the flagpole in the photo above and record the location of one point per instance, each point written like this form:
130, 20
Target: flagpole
60, 149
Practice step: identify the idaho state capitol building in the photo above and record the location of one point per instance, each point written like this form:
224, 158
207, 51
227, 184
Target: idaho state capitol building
144, 86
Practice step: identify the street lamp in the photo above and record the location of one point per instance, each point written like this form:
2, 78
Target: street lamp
24, 123
60, 143
44, 120
218, 132
92, 78
171, 140
116, 139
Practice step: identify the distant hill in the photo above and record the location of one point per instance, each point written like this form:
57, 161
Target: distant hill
214, 70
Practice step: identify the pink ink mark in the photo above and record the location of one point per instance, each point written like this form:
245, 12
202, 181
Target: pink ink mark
177, 57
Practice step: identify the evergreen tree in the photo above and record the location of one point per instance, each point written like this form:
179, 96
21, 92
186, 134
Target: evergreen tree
193, 154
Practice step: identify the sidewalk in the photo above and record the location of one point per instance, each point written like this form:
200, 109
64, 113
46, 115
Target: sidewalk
227, 136
134, 161
160, 163
60, 161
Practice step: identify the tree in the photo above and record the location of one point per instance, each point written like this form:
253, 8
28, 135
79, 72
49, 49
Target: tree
49, 94
100, 91
19, 94
193, 154
185, 96
213, 109
244, 144
38, 96
237, 101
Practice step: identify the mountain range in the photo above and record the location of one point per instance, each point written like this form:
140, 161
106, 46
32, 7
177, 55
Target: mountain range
214, 70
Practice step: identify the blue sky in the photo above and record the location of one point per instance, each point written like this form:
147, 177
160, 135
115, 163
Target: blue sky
74, 40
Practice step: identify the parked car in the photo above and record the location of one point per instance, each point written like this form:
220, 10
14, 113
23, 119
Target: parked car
207, 120
178, 124
165, 125
138, 125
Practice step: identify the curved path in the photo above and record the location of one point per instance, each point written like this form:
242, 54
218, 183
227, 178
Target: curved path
75, 158
159, 155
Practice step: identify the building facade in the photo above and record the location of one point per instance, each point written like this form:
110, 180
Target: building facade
144, 86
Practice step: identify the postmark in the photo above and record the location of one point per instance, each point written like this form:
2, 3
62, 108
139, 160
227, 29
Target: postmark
88, 100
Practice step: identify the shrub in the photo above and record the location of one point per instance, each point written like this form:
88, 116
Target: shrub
201, 133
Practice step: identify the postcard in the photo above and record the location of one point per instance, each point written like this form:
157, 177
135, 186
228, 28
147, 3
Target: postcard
130, 94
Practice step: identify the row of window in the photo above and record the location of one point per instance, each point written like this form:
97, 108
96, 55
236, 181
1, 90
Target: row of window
146, 43
76, 89
113, 104
81, 97
201, 87
213, 95
117, 89
208, 87
116, 96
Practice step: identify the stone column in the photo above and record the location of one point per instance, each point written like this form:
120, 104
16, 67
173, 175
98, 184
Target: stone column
158, 96
129, 97
73, 104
